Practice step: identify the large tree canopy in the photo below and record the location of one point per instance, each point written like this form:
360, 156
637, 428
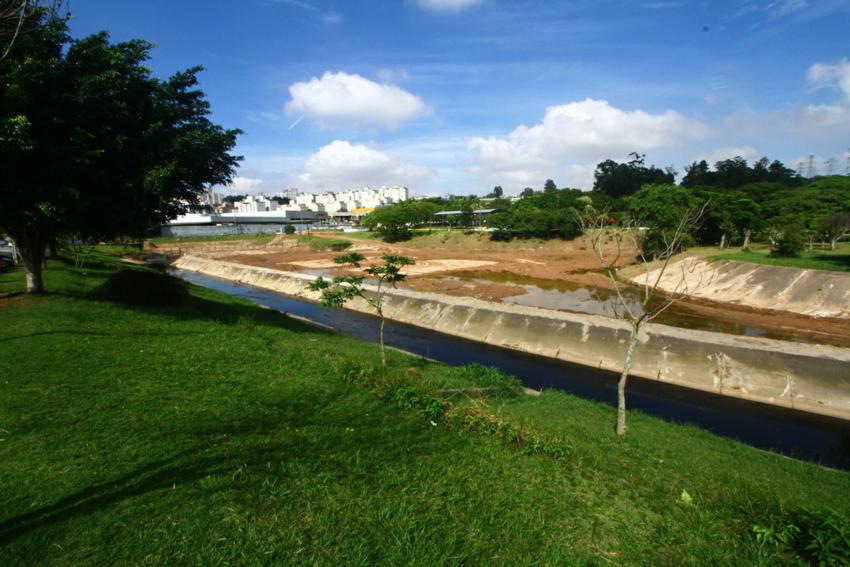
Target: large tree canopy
622, 179
93, 145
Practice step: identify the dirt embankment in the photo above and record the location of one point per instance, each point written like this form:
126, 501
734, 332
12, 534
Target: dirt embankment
441, 256
815, 293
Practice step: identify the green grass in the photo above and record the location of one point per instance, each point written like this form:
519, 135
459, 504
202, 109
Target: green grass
320, 243
837, 261
259, 238
147, 422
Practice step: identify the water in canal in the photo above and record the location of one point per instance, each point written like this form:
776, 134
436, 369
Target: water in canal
563, 295
794, 433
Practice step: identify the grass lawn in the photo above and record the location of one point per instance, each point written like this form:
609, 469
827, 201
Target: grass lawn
837, 261
144, 422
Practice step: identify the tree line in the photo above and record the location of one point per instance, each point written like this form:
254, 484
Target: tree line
764, 201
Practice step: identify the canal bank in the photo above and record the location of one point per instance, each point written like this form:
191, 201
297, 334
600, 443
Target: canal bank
812, 378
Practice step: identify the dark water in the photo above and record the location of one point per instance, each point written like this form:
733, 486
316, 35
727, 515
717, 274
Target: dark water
794, 433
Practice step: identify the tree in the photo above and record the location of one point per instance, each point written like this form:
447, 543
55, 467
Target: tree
496, 193
549, 186
337, 292
660, 209
836, 226
289, 229
93, 146
697, 175
13, 14
790, 241
527, 192
599, 230
621, 179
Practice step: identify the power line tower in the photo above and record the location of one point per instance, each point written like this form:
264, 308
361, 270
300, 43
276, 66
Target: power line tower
830, 166
800, 166
847, 169
811, 167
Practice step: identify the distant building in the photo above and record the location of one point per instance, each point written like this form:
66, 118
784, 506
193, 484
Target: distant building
260, 213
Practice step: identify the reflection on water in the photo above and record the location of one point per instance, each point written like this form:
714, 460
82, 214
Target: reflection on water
571, 296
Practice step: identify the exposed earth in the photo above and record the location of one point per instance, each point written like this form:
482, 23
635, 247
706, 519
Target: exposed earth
560, 274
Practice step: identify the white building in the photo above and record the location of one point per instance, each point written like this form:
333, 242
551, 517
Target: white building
329, 202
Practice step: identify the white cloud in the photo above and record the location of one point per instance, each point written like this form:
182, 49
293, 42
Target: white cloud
245, 184
573, 137
448, 5
817, 121
341, 164
787, 7
836, 74
341, 97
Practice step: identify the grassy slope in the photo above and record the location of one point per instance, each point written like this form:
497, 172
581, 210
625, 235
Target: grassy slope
837, 261
217, 432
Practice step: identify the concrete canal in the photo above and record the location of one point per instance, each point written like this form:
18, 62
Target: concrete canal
798, 434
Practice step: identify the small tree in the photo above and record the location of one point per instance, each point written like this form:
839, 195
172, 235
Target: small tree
836, 226
599, 230
790, 243
289, 229
337, 292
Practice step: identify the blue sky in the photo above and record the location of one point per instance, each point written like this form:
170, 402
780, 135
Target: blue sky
456, 96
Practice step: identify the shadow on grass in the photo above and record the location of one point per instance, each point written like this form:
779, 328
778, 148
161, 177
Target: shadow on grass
239, 448
839, 260
160, 293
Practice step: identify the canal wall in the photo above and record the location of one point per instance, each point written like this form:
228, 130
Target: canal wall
813, 378
816, 293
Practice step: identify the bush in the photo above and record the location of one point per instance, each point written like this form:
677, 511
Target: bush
318, 243
817, 538
289, 229
144, 289
394, 233
791, 244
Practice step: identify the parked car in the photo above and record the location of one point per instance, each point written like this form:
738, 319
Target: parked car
7, 260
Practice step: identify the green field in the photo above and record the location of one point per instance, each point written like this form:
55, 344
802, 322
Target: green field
836, 261
147, 422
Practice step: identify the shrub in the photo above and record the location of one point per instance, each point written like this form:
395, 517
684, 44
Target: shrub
394, 233
289, 229
144, 289
817, 538
791, 243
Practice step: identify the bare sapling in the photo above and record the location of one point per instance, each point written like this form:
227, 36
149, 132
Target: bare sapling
608, 242
339, 290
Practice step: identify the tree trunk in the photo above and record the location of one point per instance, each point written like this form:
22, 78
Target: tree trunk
31, 247
747, 235
381, 337
833, 244
54, 252
621, 385
723, 241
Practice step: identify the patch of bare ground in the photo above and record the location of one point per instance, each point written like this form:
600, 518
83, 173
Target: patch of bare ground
440, 254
